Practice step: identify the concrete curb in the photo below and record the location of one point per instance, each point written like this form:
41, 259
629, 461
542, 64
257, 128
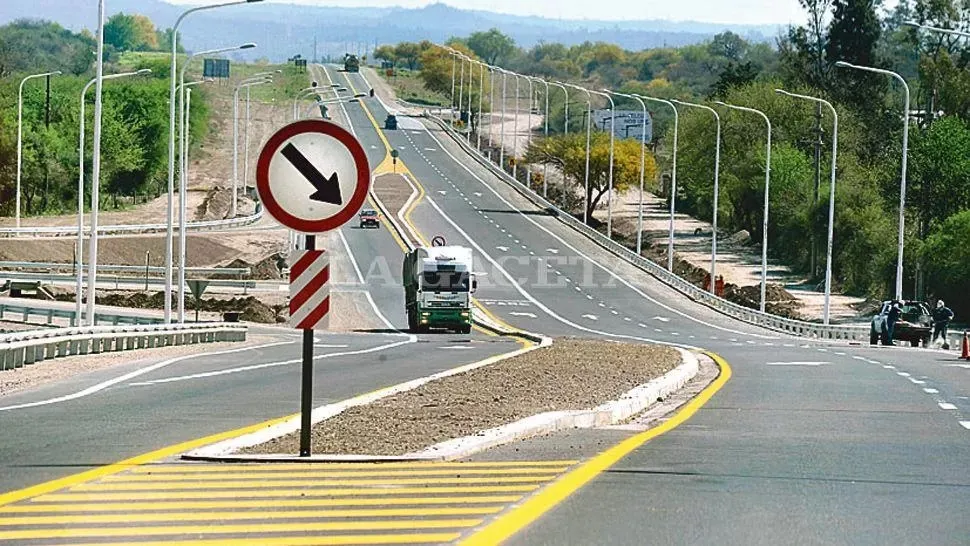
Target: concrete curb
223, 451
631, 403
610, 413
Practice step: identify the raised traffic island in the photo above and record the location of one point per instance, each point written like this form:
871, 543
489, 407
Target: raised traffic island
571, 383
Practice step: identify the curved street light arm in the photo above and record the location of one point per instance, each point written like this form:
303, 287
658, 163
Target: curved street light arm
673, 178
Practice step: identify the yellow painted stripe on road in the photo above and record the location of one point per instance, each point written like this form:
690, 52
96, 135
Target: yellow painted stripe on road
268, 513
301, 484
339, 540
249, 529
268, 467
323, 473
519, 517
282, 493
243, 504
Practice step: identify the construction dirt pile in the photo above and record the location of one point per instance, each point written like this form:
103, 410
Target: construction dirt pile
778, 301
215, 206
569, 375
249, 308
268, 269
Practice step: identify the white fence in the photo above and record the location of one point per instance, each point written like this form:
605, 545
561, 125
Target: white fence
739, 312
22, 349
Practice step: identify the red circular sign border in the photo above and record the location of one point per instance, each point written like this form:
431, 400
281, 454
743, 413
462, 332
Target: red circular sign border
312, 126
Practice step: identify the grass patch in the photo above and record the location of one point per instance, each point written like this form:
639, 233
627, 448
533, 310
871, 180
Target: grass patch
408, 86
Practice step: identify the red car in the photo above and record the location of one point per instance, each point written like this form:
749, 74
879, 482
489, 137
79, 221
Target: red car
369, 218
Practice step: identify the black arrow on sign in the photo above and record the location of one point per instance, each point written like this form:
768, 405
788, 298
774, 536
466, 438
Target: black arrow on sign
327, 189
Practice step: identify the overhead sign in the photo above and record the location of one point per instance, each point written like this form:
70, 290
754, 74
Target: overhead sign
312, 176
629, 124
215, 68
309, 289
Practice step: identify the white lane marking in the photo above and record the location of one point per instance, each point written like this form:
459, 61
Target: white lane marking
442, 192
584, 256
477, 194
964, 366
502, 248
131, 375
457, 347
861, 358
931, 391
917, 381
902, 374
615, 312
329, 346
889, 367
430, 150
662, 319
799, 363
589, 296
839, 353
350, 255
591, 317
946, 406
275, 364
627, 319
675, 333
530, 315
641, 325
552, 250
965, 424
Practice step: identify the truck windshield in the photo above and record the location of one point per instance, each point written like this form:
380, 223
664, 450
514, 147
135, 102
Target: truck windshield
445, 282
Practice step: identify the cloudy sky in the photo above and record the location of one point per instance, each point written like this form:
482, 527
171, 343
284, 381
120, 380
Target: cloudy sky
715, 11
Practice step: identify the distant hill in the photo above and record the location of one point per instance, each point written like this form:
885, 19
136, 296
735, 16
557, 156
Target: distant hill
284, 30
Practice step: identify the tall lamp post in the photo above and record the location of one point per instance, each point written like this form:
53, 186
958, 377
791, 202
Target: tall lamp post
835, 151
673, 180
717, 170
96, 170
902, 181
20, 123
938, 30
79, 259
589, 122
643, 158
491, 102
501, 137
545, 121
235, 137
169, 233
764, 220
609, 208
183, 179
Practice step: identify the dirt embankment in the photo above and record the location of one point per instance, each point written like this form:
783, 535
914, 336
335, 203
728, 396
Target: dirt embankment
251, 309
571, 374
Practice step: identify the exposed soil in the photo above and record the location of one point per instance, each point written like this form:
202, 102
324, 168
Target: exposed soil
251, 309
571, 374
393, 191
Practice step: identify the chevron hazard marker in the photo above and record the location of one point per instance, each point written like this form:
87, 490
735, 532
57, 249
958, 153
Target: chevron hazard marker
309, 289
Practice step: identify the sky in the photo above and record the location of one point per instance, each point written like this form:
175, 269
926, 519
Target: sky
760, 12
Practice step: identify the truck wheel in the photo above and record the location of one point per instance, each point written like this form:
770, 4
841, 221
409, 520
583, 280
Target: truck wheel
914, 343
873, 338
465, 329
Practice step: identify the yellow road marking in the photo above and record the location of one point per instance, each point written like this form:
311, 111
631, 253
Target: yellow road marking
255, 515
282, 493
340, 540
322, 473
522, 515
376, 525
301, 484
261, 467
241, 504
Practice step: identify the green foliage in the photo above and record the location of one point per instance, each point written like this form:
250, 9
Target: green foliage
945, 257
939, 173
41, 46
491, 45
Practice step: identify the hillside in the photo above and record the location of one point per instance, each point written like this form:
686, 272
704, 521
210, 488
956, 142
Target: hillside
283, 30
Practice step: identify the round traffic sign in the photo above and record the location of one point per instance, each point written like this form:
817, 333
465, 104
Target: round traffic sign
438, 240
312, 176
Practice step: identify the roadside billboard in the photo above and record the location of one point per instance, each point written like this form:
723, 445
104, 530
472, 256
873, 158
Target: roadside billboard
629, 124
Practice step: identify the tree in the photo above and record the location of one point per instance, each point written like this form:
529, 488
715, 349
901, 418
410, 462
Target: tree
409, 53
803, 50
946, 259
491, 45
735, 75
939, 173
386, 53
853, 37
728, 45
568, 153
25, 45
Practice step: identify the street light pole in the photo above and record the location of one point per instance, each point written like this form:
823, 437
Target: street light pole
20, 123
673, 181
79, 256
643, 158
235, 142
545, 180
717, 169
515, 129
481, 98
96, 170
609, 208
937, 29
902, 182
501, 141
835, 150
589, 121
764, 220
491, 104
461, 84
169, 233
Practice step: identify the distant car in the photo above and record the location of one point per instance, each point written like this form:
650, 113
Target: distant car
914, 325
390, 122
369, 218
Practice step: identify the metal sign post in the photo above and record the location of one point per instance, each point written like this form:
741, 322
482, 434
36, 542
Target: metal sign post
312, 177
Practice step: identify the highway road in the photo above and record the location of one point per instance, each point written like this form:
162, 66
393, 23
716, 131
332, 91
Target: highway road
806, 443
797, 442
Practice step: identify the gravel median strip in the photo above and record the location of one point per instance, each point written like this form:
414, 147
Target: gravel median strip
571, 374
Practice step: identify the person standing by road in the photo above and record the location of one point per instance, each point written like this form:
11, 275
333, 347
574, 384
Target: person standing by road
942, 316
891, 320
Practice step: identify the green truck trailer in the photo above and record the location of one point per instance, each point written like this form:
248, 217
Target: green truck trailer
438, 283
351, 63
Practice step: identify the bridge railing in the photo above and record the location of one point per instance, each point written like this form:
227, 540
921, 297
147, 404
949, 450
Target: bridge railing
752, 316
24, 348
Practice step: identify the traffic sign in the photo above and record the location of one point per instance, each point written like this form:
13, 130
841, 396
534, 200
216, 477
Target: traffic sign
309, 289
197, 287
312, 176
438, 240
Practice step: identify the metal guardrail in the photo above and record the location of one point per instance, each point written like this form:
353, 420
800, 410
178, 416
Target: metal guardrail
739, 312
67, 231
50, 313
117, 279
126, 268
24, 348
